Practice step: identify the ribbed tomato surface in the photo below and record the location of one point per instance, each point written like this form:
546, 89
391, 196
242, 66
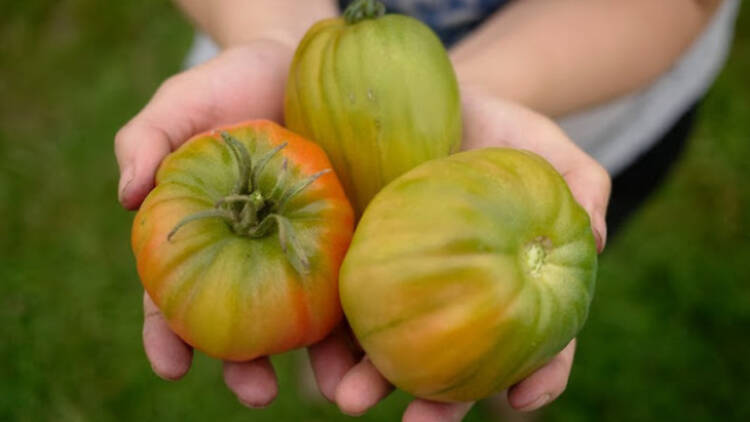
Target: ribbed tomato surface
258, 274
469, 272
379, 95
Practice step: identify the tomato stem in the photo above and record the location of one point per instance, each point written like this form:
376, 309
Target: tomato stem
244, 163
264, 159
221, 213
290, 244
249, 212
360, 10
299, 188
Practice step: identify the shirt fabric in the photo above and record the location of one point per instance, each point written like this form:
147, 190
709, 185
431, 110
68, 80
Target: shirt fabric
450, 19
614, 133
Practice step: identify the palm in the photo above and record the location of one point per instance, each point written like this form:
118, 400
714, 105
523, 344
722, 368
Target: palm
248, 82
242, 83
492, 122
488, 123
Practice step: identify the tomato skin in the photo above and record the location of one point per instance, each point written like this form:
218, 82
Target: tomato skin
468, 273
380, 96
232, 296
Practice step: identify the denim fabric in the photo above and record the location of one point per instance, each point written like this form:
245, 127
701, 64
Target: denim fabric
450, 19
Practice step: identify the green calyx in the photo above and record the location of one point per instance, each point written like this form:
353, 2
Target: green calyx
252, 213
360, 10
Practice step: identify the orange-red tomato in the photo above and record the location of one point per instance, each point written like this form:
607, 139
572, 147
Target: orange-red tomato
240, 242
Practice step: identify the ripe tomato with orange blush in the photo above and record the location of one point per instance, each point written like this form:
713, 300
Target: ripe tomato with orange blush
240, 242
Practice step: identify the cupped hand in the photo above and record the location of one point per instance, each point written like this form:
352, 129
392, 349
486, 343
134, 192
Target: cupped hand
356, 385
248, 82
242, 83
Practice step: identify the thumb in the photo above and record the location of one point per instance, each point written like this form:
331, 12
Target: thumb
591, 185
139, 148
177, 111
174, 113
242, 83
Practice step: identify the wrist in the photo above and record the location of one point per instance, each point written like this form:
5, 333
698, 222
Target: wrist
280, 38
237, 22
271, 57
498, 76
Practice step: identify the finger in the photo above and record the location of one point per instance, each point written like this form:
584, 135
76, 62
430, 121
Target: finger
237, 85
591, 185
139, 148
361, 388
544, 385
169, 356
331, 359
429, 411
254, 383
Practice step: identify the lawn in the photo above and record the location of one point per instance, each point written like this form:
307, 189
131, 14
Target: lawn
668, 336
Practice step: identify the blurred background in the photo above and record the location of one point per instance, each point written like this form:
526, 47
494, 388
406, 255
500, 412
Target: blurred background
668, 336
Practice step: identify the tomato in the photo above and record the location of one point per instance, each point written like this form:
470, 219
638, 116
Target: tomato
378, 93
240, 242
468, 273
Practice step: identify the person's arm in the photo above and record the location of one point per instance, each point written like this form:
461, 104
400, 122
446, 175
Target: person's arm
558, 56
232, 22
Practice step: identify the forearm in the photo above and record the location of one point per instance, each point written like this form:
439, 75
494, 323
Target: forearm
558, 56
231, 22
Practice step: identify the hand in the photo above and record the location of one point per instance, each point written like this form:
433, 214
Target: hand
242, 83
356, 387
247, 82
490, 122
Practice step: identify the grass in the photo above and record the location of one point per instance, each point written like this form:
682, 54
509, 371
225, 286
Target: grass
667, 337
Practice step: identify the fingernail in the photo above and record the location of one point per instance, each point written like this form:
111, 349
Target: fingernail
353, 413
125, 178
252, 406
348, 405
599, 243
536, 404
599, 227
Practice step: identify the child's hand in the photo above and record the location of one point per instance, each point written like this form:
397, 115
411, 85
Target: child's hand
242, 83
356, 387
248, 82
489, 122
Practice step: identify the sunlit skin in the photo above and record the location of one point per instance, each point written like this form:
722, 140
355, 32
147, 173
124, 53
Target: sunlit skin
248, 82
515, 56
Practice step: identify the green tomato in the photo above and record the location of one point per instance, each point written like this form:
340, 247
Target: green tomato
467, 273
378, 93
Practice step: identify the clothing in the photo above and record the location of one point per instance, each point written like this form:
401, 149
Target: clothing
615, 133
634, 184
451, 20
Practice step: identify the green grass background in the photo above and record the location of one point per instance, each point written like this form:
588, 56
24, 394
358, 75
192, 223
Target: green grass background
669, 332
